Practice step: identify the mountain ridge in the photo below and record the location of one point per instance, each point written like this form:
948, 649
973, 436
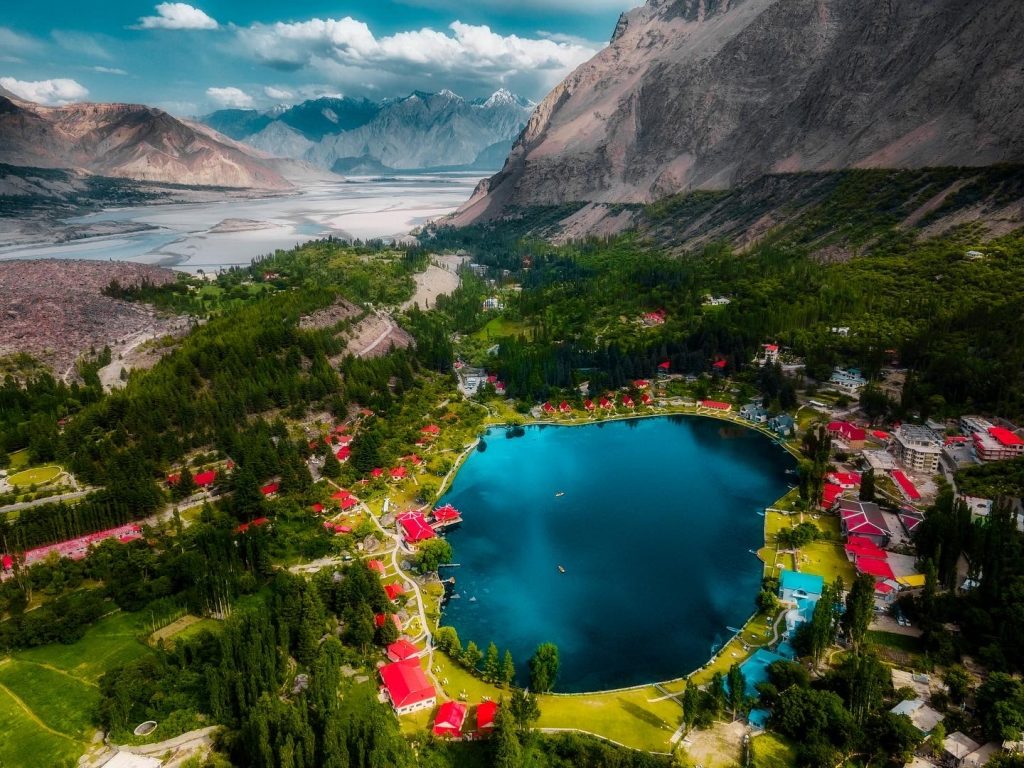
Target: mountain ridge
706, 94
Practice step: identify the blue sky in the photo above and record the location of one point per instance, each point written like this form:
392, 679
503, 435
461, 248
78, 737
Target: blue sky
193, 58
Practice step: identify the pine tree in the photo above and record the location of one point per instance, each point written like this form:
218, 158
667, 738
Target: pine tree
492, 664
471, 656
507, 749
332, 467
867, 486
508, 670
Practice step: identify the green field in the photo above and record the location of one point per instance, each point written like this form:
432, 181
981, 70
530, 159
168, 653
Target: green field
19, 459
35, 476
48, 695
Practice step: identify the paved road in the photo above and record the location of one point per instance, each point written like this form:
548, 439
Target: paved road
49, 500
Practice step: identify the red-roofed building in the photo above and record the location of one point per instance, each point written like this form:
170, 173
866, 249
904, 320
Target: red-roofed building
875, 567
377, 472
341, 494
343, 454
318, 508
270, 489
447, 514
399, 473
720, 364
771, 353
413, 459
376, 566
657, 317
641, 384
348, 503
627, 401
881, 434
564, 407
415, 527
380, 618
7, 562
77, 549
858, 546
646, 399
714, 405
342, 530
173, 479
665, 366
401, 650
845, 480
607, 404
850, 434
588, 405
450, 717
204, 479
407, 687
830, 494
393, 591
907, 488
864, 518
485, 715
431, 430
548, 408
998, 444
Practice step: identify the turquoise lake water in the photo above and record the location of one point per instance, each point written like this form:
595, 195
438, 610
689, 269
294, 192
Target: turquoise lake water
655, 531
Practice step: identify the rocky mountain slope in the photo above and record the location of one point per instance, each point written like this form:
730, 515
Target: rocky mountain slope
420, 131
708, 94
127, 141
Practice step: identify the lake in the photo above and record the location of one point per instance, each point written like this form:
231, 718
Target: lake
655, 531
190, 236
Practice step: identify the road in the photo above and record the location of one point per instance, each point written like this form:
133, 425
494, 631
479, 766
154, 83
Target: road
383, 337
48, 500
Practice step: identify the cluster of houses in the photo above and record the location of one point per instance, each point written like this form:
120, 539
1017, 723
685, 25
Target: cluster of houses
73, 549
781, 424
471, 380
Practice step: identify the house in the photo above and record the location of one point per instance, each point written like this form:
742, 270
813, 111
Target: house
956, 747
714, 405
564, 407
864, 518
588, 405
270, 489
720, 364
376, 566
493, 304
393, 591
755, 413
917, 448
848, 381
485, 715
782, 425
204, 479
432, 430
7, 562
548, 408
851, 434
450, 717
415, 527
318, 508
658, 317
664, 367
910, 518
982, 755
794, 585
848, 481
646, 399
380, 619
399, 473
377, 473
830, 494
402, 650
998, 444
348, 503
907, 488
407, 687
920, 714
716, 301
627, 401
641, 384
447, 515
607, 404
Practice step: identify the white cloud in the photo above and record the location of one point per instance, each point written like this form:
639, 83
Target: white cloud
54, 92
346, 50
13, 43
178, 16
230, 97
109, 70
277, 93
572, 6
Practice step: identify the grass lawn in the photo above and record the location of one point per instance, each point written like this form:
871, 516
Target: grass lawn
24, 742
35, 476
628, 717
828, 559
19, 459
893, 640
499, 327
769, 751
61, 702
107, 644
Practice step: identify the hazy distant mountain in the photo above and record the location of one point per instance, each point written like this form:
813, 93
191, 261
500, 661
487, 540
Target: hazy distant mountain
709, 94
419, 131
127, 141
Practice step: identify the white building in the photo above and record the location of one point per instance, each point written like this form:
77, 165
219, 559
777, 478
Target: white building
917, 448
849, 381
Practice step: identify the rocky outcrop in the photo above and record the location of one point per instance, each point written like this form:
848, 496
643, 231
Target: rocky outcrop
707, 94
127, 141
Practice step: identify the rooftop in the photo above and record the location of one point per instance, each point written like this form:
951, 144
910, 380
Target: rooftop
806, 582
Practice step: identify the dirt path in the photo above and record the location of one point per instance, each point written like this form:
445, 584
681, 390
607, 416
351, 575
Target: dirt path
435, 281
59, 671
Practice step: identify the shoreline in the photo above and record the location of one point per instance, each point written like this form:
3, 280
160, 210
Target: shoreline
450, 478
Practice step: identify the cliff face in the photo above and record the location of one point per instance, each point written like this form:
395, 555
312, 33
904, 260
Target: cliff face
707, 94
126, 141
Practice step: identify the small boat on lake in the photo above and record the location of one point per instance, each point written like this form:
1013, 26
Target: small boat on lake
561, 569
560, 494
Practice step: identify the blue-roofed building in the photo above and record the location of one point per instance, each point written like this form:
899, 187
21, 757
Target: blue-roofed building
755, 670
782, 425
795, 586
801, 613
786, 650
758, 719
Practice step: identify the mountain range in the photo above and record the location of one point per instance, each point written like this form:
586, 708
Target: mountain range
714, 94
418, 132
129, 141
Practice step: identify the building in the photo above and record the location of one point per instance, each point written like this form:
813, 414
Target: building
957, 455
450, 717
415, 527
716, 301
956, 747
917, 448
407, 687
485, 715
997, 444
755, 413
714, 405
850, 434
848, 481
848, 381
402, 650
920, 714
907, 488
770, 353
864, 518
971, 424
782, 425
794, 586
